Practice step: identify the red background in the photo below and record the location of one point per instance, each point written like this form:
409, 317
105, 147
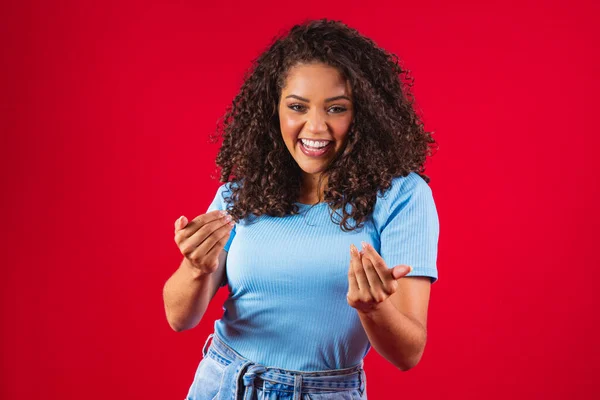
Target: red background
106, 111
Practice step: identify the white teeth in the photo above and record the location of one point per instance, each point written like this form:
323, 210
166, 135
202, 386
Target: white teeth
314, 144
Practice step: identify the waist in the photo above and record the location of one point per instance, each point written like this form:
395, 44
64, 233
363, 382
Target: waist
293, 341
252, 374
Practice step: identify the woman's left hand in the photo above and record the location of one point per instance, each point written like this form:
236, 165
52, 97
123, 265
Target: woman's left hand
370, 281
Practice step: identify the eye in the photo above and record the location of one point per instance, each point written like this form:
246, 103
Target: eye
337, 109
296, 107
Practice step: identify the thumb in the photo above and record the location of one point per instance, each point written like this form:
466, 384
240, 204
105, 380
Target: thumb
401, 270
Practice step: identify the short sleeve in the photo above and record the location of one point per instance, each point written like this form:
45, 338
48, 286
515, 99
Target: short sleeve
409, 226
219, 203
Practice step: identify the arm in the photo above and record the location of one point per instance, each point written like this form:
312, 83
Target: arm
394, 314
392, 307
204, 242
187, 292
398, 328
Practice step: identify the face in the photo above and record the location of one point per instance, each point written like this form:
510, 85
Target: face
315, 113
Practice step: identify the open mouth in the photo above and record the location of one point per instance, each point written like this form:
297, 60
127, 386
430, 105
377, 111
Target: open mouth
315, 148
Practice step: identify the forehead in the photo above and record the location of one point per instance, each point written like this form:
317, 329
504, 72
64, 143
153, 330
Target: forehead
315, 78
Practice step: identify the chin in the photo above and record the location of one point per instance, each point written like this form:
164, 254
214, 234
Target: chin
307, 169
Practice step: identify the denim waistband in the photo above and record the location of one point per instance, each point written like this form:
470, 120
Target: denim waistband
247, 372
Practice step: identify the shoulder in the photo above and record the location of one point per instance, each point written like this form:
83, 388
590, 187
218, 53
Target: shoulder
221, 197
408, 197
403, 188
225, 189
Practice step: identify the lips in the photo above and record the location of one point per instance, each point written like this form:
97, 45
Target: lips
315, 152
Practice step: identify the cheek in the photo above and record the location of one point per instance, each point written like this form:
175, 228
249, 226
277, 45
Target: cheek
341, 128
289, 126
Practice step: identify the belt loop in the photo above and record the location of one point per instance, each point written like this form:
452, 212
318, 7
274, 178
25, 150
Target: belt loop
204, 348
253, 372
239, 373
297, 387
361, 378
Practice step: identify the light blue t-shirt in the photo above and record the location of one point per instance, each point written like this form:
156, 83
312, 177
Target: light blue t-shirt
288, 277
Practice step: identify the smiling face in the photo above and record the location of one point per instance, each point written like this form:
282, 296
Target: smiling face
315, 114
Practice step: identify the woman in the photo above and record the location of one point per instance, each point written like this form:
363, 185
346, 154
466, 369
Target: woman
322, 152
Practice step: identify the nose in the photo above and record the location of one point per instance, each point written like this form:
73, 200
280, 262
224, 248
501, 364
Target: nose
317, 121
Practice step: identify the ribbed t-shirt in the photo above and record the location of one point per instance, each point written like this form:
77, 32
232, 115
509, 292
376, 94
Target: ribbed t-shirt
288, 276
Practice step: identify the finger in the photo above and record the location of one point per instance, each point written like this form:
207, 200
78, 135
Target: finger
220, 240
188, 240
384, 273
208, 228
359, 272
372, 276
197, 223
352, 282
401, 270
203, 219
205, 246
180, 223
376, 260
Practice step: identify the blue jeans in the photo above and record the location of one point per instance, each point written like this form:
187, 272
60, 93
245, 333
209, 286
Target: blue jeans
225, 375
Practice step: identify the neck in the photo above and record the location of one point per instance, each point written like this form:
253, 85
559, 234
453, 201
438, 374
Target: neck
310, 190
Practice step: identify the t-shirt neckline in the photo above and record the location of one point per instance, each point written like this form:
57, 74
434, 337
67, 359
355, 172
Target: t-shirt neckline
309, 205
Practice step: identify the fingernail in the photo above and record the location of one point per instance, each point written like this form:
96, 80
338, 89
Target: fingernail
224, 213
365, 245
410, 269
353, 249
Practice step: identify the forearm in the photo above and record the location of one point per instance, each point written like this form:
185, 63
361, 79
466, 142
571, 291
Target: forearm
398, 338
186, 295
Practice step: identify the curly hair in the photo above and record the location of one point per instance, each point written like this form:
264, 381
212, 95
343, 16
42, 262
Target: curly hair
386, 138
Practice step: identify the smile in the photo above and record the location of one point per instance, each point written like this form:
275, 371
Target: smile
315, 148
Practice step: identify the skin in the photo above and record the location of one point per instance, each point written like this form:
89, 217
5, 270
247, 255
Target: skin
316, 103
189, 290
392, 307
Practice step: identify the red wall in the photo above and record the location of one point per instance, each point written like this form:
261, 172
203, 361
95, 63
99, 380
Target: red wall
106, 108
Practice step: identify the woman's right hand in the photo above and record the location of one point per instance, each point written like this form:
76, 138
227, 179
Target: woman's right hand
202, 240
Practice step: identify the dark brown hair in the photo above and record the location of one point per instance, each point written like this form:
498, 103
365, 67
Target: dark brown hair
386, 138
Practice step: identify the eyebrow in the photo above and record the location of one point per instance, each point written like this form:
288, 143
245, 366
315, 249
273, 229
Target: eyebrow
326, 100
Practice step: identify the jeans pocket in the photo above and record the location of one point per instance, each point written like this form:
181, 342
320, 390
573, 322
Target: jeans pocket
207, 380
